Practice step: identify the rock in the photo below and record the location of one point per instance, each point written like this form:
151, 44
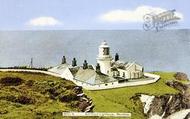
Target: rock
83, 105
182, 114
177, 85
155, 117
181, 76
81, 94
89, 108
147, 100
165, 105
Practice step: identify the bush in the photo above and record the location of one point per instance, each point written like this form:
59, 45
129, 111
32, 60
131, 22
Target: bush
30, 83
11, 81
25, 100
3, 111
181, 76
20, 99
68, 96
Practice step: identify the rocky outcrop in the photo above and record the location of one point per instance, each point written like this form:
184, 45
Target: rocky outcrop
85, 103
165, 105
181, 76
177, 85
168, 104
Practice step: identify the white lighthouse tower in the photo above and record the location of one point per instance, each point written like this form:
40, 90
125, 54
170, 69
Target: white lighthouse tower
104, 58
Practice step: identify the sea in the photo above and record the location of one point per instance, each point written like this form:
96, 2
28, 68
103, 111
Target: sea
166, 50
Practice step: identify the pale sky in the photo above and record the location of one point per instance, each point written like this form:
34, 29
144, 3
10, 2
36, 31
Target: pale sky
86, 14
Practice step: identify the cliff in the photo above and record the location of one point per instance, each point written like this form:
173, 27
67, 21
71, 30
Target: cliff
168, 105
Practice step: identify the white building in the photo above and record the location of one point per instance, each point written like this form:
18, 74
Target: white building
117, 68
109, 73
104, 58
108, 70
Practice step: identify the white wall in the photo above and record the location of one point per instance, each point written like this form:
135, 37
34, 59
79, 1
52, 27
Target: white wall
105, 66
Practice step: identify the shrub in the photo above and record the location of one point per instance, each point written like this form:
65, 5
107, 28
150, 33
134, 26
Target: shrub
25, 100
181, 76
68, 96
11, 81
30, 83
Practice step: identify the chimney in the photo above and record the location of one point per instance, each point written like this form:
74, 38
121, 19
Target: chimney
116, 57
63, 60
31, 63
98, 67
74, 62
85, 64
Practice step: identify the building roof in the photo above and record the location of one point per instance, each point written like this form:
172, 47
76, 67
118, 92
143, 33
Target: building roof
121, 65
92, 77
60, 69
104, 44
74, 70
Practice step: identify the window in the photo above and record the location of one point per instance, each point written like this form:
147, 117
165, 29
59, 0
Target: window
121, 81
106, 51
113, 73
138, 75
124, 74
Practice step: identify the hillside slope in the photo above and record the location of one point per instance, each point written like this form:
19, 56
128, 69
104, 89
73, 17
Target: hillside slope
34, 95
122, 99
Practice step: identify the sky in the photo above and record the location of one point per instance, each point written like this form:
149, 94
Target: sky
86, 14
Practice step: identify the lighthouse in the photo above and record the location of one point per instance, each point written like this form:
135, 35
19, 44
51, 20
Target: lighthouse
104, 58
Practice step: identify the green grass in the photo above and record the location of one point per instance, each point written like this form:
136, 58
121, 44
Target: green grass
112, 100
118, 100
45, 107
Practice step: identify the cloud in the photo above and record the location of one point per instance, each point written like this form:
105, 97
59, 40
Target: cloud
135, 15
43, 21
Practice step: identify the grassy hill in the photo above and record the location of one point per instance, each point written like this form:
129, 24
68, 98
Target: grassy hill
32, 95
120, 100
39, 96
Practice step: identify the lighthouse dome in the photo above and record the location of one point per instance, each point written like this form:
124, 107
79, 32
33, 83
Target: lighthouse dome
104, 44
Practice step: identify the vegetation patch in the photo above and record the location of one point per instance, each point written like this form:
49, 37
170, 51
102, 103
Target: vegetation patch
18, 99
11, 81
32, 95
181, 76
